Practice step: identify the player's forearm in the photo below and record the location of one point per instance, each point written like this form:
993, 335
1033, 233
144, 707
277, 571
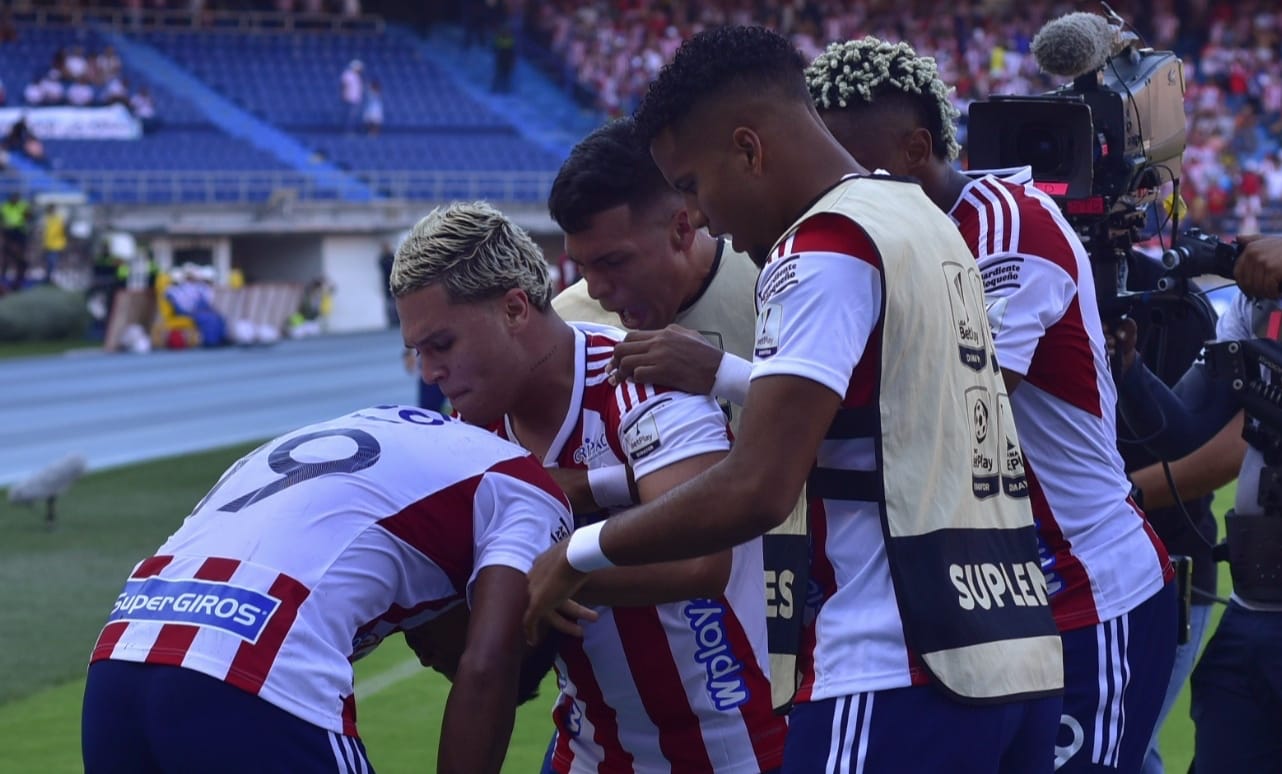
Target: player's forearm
656, 584
1197, 475
479, 715
713, 512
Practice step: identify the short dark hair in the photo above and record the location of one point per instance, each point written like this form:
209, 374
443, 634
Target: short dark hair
609, 167
715, 61
535, 666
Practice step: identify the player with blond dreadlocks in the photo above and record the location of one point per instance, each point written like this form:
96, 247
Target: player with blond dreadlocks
1108, 574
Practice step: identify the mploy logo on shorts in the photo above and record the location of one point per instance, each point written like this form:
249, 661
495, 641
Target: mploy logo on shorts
234, 609
725, 683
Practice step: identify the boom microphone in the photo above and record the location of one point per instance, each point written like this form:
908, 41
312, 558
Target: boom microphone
1074, 45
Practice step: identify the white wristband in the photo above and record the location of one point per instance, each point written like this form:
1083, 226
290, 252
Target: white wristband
610, 486
584, 550
731, 382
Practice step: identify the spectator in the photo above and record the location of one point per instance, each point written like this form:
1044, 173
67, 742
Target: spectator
15, 214
80, 92
107, 65
115, 92
33, 93
21, 139
504, 58
54, 240
75, 65
143, 108
352, 90
373, 115
52, 89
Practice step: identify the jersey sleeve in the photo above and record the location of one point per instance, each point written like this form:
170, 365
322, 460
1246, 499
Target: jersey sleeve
817, 306
518, 512
1237, 321
656, 427
1026, 295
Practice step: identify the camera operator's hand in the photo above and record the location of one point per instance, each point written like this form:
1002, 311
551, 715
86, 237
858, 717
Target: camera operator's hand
1258, 270
1120, 341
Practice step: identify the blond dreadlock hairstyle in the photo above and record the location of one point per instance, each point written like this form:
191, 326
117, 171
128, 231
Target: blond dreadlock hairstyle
857, 72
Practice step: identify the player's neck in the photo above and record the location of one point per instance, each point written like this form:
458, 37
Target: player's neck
547, 387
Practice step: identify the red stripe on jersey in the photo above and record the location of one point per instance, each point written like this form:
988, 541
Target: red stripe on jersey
562, 756
865, 379
1163, 557
440, 527
1073, 604
532, 472
766, 729
349, 715
659, 686
150, 566
106, 645
605, 723
254, 660
825, 577
1002, 222
1063, 364
174, 640
831, 232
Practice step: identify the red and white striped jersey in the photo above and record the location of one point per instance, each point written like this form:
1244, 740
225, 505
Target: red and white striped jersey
853, 640
315, 547
681, 686
1100, 557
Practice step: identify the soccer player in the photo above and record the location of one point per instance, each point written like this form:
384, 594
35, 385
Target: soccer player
671, 673
1109, 578
230, 648
648, 264
932, 646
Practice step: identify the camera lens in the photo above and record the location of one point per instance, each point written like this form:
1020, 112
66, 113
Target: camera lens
1041, 147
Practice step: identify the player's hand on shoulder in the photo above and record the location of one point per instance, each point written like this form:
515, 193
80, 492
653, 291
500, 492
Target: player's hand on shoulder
673, 357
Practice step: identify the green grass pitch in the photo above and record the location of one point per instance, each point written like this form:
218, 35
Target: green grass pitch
56, 588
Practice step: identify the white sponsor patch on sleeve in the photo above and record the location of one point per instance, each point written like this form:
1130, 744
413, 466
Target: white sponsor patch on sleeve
642, 438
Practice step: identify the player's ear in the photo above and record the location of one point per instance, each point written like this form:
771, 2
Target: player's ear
681, 233
918, 148
516, 308
747, 145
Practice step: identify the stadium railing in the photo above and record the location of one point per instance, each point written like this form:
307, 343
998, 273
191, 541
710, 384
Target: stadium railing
53, 12
252, 186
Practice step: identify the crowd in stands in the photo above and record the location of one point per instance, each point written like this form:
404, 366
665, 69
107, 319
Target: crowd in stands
610, 50
77, 78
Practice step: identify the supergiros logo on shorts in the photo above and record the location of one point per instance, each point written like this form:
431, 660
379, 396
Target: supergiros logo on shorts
234, 609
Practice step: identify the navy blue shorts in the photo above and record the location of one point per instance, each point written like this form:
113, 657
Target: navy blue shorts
150, 718
1115, 678
920, 729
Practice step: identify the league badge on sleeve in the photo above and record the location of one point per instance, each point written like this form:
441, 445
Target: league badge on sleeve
769, 325
642, 438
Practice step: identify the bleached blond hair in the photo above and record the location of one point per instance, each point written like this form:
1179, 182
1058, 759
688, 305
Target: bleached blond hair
475, 252
856, 73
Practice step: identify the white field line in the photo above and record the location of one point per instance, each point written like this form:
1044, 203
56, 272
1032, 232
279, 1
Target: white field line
384, 680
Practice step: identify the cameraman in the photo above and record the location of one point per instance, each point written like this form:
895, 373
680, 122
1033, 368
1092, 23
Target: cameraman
1187, 527
1237, 685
